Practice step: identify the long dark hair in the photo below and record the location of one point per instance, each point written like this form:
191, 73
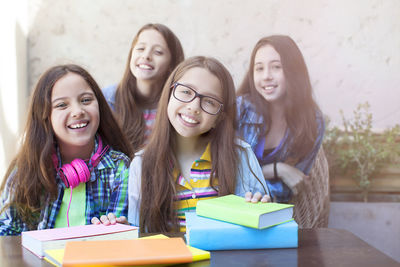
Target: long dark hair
157, 209
127, 111
34, 171
300, 107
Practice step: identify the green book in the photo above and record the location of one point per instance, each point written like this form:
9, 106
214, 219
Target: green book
235, 209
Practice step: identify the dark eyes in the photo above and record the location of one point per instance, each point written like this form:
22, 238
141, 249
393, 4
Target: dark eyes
156, 52
87, 100
60, 105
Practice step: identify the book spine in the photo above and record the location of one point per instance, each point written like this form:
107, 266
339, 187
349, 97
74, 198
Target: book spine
227, 214
240, 237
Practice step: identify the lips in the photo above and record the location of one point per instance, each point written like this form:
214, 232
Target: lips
270, 88
78, 125
188, 119
145, 66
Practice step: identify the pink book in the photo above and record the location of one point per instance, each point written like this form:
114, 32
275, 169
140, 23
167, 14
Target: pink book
39, 240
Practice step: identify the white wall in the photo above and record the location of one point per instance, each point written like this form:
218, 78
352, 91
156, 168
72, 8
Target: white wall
351, 47
13, 78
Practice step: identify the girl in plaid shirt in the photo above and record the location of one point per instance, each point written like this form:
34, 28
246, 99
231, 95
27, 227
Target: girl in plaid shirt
68, 119
278, 116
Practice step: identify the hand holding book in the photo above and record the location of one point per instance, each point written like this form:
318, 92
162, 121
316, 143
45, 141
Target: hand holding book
109, 219
257, 197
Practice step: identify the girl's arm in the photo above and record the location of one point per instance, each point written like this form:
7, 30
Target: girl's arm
118, 200
134, 186
250, 178
306, 164
293, 176
10, 223
290, 175
118, 178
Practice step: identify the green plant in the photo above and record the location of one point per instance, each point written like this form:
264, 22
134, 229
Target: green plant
355, 149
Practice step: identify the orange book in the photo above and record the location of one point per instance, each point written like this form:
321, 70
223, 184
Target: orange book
127, 252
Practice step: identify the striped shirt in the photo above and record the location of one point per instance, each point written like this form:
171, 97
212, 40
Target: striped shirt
106, 191
149, 116
197, 188
199, 183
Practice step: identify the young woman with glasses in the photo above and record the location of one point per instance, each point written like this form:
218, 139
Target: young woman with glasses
193, 153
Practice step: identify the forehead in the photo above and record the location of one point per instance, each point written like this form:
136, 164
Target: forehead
266, 53
203, 81
151, 37
70, 85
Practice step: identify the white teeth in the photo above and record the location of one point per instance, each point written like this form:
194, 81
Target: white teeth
77, 126
187, 119
143, 66
269, 87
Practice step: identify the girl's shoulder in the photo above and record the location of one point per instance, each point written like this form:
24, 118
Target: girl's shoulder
109, 90
319, 117
244, 101
117, 156
109, 94
247, 113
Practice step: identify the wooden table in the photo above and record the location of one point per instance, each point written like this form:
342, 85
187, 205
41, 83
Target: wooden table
317, 247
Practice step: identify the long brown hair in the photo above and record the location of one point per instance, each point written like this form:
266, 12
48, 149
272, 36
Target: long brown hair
127, 111
300, 107
157, 209
34, 171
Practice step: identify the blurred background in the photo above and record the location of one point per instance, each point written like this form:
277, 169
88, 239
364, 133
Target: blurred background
351, 48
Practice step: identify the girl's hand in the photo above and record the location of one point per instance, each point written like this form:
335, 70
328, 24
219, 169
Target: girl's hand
109, 219
291, 176
249, 197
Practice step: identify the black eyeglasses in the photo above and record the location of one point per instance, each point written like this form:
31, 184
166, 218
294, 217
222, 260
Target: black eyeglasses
186, 94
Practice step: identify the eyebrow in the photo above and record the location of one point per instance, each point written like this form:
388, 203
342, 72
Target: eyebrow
156, 45
84, 93
194, 88
272, 61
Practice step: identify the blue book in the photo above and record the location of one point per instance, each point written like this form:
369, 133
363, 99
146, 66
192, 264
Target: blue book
209, 234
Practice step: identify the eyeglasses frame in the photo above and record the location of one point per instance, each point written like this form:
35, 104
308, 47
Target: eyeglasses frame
196, 94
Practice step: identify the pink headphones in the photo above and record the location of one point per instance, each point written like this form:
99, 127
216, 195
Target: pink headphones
78, 171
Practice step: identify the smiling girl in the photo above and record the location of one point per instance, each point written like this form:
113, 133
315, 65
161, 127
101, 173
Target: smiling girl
154, 53
73, 154
278, 116
193, 153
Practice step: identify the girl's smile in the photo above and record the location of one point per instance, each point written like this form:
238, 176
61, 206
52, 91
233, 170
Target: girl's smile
150, 56
75, 114
268, 75
188, 118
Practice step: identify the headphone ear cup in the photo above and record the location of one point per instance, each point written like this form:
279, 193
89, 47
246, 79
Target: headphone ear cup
82, 170
68, 175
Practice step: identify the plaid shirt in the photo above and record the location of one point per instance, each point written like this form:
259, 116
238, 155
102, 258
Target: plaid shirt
248, 121
106, 191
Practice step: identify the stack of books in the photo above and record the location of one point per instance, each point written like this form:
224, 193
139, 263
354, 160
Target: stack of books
229, 222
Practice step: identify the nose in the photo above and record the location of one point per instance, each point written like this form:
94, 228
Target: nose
194, 105
77, 111
146, 54
267, 74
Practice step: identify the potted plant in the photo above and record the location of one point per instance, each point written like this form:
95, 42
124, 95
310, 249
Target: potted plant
355, 151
